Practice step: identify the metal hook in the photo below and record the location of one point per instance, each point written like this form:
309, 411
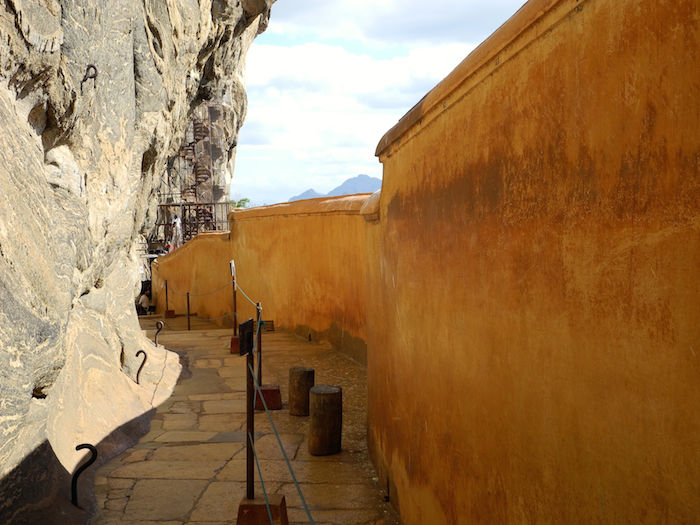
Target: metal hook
145, 356
90, 72
79, 471
159, 325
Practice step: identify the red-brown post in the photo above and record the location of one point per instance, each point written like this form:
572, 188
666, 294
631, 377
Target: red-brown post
250, 427
259, 331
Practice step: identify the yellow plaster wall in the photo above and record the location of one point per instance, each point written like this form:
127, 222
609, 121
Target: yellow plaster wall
306, 262
200, 266
527, 285
534, 294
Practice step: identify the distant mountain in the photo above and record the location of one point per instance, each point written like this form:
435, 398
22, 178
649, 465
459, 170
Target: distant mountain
359, 184
308, 194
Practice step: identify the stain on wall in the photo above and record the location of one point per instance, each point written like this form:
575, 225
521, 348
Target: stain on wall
527, 283
306, 262
533, 276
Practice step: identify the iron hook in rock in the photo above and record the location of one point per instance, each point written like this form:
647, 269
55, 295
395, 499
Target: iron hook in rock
160, 326
145, 356
79, 471
90, 72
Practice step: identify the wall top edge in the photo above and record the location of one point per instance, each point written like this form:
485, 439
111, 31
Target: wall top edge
222, 235
523, 18
349, 204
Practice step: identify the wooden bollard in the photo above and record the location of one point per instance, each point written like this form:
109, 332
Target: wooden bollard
301, 380
326, 422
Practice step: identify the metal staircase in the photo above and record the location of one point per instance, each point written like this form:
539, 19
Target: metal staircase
190, 181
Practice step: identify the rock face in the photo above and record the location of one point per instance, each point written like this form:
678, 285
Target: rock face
94, 97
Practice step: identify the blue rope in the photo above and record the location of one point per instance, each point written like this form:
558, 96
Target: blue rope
279, 441
262, 483
238, 288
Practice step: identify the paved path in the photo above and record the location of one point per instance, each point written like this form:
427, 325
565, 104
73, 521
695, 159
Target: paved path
190, 468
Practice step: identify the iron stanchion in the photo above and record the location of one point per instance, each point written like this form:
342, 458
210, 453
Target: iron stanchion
258, 329
235, 308
166, 296
235, 342
188, 310
246, 348
250, 427
232, 266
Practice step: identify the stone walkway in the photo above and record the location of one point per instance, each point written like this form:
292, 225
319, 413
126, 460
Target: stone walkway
190, 468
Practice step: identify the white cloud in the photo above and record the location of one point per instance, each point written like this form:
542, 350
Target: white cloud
393, 20
329, 78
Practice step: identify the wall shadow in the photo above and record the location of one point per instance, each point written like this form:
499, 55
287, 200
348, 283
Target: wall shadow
38, 490
352, 346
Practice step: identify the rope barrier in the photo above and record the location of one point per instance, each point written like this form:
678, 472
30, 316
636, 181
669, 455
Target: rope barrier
235, 314
279, 441
239, 289
262, 483
173, 291
258, 391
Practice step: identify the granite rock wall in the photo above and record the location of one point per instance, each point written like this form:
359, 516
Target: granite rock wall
94, 97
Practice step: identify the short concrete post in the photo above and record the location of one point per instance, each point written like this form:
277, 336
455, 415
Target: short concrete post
326, 421
301, 380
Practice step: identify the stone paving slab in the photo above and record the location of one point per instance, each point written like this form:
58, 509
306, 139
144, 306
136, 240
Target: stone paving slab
221, 422
169, 470
190, 468
163, 499
224, 406
199, 452
185, 435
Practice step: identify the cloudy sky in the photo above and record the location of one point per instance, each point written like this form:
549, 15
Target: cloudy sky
329, 77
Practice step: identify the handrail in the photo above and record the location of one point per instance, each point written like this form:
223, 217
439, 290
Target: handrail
259, 392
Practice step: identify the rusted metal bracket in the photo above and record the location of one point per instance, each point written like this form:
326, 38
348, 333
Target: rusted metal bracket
159, 326
90, 73
145, 357
79, 471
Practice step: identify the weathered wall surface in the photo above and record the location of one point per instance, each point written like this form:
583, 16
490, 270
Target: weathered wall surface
304, 261
200, 267
534, 346
93, 98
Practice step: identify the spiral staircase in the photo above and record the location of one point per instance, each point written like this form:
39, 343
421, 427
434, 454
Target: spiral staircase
190, 183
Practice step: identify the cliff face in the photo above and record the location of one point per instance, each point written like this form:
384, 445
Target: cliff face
94, 96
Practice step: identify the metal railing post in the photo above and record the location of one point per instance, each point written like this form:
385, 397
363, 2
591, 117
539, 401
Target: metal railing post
188, 310
235, 320
258, 329
166, 296
250, 426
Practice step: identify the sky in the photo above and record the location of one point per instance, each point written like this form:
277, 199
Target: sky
329, 77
